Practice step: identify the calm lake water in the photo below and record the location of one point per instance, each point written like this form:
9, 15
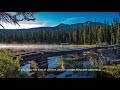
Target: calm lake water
52, 62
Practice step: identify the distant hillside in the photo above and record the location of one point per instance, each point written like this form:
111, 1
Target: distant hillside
62, 26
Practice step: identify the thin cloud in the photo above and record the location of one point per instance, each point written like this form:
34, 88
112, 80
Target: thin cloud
71, 19
32, 22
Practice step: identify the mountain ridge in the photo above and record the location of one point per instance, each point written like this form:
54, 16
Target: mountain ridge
61, 26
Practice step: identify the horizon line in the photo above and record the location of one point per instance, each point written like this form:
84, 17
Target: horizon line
54, 25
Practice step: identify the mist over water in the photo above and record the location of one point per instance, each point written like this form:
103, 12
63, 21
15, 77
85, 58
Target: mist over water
32, 46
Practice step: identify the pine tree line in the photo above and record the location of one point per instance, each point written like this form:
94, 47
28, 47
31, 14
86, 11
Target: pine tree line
81, 35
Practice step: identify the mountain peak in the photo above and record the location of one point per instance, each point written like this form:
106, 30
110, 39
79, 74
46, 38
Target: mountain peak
62, 25
88, 22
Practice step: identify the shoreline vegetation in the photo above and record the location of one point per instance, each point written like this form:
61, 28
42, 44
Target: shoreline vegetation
8, 67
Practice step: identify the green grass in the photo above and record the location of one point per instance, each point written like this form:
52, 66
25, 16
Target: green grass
113, 70
82, 46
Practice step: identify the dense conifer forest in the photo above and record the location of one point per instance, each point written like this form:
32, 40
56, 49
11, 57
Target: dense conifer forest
86, 34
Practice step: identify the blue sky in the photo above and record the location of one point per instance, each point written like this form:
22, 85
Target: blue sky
55, 18
44, 19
